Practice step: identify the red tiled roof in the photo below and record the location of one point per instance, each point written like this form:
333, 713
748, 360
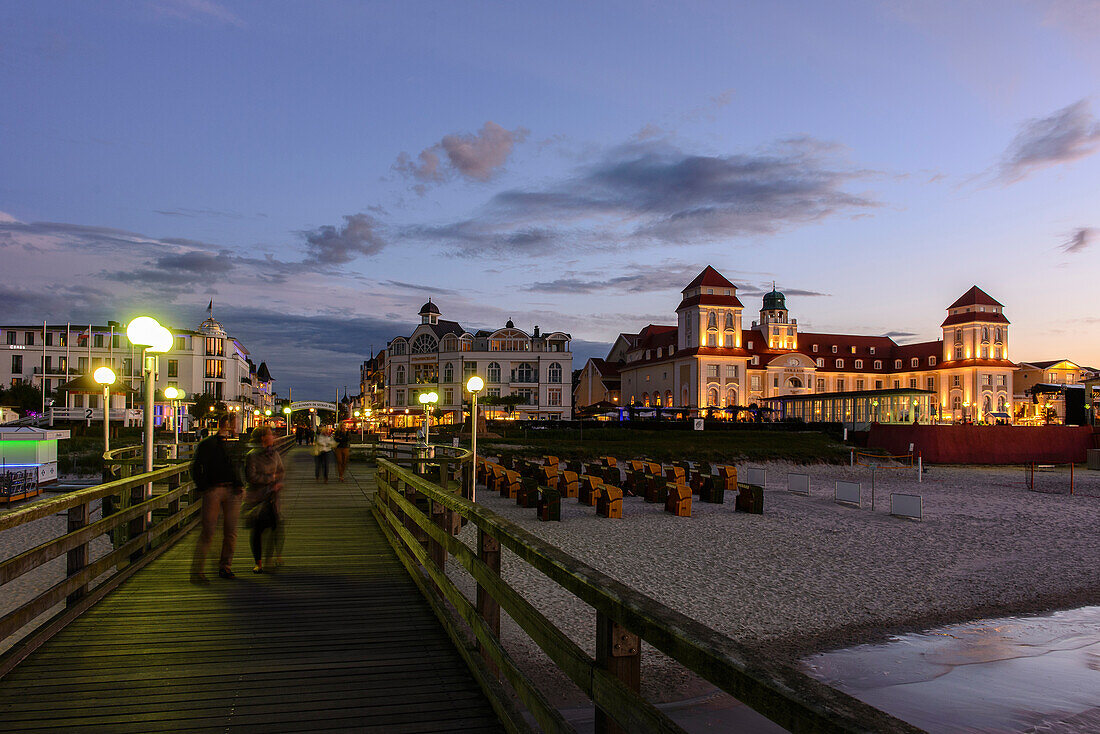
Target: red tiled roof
987, 317
974, 297
605, 368
709, 299
709, 277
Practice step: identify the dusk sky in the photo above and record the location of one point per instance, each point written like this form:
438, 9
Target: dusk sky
319, 169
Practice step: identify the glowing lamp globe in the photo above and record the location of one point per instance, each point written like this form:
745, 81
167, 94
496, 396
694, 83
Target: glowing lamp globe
286, 410
104, 376
475, 384
163, 340
267, 412
433, 397
142, 331
423, 398
171, 393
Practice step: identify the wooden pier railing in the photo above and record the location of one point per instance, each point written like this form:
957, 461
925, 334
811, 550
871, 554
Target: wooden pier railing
421, 518
141, 524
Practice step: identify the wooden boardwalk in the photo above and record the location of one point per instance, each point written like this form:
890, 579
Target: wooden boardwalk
338, 639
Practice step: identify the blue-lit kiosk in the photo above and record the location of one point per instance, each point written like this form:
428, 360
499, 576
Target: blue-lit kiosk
28, 460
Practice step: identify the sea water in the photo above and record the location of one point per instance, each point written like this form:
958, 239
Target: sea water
1014, 674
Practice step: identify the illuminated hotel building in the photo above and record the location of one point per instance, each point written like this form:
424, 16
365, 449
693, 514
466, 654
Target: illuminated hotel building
711, 359
439, 356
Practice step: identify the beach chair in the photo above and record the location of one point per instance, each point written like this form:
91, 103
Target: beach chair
750, 499
548, 505
528, 493
548, 476
589, 490
569, 483
656, 488
609, 502
678, 502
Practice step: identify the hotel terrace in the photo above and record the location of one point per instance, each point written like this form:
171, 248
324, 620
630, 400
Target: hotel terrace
710, 359
440, 356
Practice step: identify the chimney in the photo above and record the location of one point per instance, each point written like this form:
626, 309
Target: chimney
536, 330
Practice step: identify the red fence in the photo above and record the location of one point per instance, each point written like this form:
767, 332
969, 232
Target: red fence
972, 444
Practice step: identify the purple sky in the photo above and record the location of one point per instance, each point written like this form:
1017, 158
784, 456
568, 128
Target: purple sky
319, 169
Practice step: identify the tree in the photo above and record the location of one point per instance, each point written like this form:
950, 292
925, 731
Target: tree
201, 407
23, 397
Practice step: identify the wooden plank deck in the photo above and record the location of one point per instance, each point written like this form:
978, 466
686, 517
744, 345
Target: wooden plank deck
338, 639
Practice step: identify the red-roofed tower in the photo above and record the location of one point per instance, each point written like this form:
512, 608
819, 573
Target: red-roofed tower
709, 315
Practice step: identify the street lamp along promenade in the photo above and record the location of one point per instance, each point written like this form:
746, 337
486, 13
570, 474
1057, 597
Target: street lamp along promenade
105, 376
175, 395
147, 333
473, 386
428, 400
286, 412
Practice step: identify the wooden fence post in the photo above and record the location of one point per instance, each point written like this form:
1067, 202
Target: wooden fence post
77, 558
137, 525
619, 652
174, 505
436, 550
488, 550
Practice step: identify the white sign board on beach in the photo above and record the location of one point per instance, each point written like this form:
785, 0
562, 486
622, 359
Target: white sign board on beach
753, 475
907, 505
699, 424
799, 484
847, 493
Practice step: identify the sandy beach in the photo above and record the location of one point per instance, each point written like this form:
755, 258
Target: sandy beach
810, 575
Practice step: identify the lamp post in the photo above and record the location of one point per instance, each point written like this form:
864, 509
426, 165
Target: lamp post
473, 386
286, 412
175, 395
360, 422
105, 376
428, 400
147, 333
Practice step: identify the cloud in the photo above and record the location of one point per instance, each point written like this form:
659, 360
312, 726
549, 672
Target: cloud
1080, 240
650, 192
196, 213
476, 156
638, 280
419, 288
329, 245
900, 334
1067, 135
197, 11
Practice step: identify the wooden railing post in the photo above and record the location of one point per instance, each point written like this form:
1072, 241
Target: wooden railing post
436, 550
174, 506
137, 525
77, 558
619, 652
488, 550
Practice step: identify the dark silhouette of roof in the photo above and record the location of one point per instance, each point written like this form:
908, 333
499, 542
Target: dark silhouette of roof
709, 277
429, 307
262, 373
974, 297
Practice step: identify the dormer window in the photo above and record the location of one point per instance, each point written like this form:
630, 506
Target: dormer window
756, 360
931, 361
750, 345
820, 362
660, 352
853, 350
878, 364
859, 364
871, 349
914, 362
671, 349
815, 347
647, 354
710, 291
834, 349
840, 364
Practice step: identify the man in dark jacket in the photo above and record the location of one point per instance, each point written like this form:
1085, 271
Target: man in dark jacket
218, 479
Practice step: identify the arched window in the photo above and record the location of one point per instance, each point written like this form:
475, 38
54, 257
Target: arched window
465, 343
897, 364
554, 373
729, 321
712, 397
493, 372
712, 338
956, 402
450, 344
840, 364
987, 405
731, 395
1002, 404
794, 382
424, 344
668, 398
958, 335
645, 399
878, 364
931, 361
998, 334
657, 399
914, 362
448, 372
985, 333
399, 375
859, 364
712, 321
820, 362
525, 373
397, 348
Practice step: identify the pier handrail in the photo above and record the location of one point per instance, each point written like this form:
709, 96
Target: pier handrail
138, 535
624, 617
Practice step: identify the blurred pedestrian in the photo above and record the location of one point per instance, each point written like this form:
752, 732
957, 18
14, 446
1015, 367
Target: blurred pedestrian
343, 450
322, 453
218, 480
264, 472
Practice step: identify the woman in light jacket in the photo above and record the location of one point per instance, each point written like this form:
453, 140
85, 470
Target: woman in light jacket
264, 472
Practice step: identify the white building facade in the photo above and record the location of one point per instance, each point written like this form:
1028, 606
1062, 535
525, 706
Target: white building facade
440, 356
204, 361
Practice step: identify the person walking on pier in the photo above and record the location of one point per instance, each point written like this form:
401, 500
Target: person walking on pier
263, 470
218, 481
343, 450
322, 452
